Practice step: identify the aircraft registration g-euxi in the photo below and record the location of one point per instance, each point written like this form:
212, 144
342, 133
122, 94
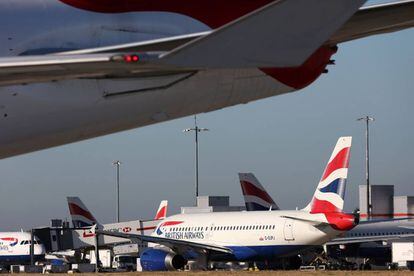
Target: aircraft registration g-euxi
76, 69
256, 235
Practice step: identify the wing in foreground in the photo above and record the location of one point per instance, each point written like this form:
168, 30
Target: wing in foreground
46, 68
378, 19
281, 34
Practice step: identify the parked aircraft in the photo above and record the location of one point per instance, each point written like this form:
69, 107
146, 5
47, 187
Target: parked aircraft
369, 239
15, 248
83, 218
372, 240
255, 195
249, 236
72, 70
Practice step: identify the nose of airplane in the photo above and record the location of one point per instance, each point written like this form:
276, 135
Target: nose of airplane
342, 221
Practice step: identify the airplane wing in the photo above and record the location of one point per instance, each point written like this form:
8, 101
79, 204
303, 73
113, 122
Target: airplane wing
46, 68
297, 29
281, 34
367, 21
154, 45
353, 240
176, 245
377, 19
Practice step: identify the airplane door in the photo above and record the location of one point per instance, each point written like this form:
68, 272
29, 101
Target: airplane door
288, 230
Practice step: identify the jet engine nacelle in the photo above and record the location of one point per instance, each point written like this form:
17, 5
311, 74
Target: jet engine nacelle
161, 260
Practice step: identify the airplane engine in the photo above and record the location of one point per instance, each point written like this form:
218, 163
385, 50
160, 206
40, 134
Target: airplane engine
161, 260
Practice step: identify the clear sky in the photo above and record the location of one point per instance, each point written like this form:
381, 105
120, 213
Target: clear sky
285, 140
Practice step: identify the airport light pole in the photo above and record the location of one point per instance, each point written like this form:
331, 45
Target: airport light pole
196, 130
367, 119
117, 164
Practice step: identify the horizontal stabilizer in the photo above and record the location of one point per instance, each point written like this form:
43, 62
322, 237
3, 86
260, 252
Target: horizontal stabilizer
312, 221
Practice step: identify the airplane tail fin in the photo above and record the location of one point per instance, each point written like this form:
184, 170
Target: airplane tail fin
330, 193
162, 210
255, 195
81, 217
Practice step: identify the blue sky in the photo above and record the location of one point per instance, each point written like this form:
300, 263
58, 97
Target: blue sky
284, 140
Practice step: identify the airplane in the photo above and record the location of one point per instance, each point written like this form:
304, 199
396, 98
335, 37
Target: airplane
83, 220
372, 241
255, 235
15, 248
255, 195
369, 239
76, 69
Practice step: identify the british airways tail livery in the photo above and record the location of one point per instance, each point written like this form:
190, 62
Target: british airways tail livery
255, 195
330, 193
252, 236
81, 217
162, 210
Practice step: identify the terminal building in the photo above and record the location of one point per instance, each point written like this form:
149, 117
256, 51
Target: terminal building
208, 204
385, 205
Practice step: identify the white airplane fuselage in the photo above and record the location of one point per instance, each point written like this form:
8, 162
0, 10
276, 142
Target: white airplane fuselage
253, 235
15, 248
37, 116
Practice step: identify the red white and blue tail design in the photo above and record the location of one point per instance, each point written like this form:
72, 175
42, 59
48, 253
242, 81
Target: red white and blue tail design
162, 210
256, 197
81, 217
330, 193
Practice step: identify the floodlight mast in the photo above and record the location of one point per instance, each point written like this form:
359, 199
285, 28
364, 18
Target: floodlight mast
117, 164
196, 130
367, 119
